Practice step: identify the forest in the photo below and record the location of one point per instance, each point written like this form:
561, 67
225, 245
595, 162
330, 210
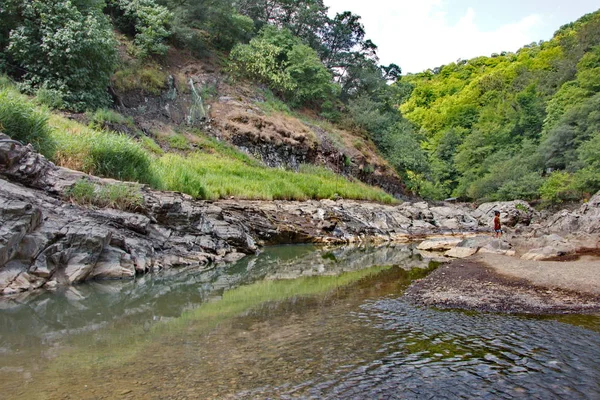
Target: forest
512, 125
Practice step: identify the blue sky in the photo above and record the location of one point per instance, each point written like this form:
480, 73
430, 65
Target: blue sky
422, 34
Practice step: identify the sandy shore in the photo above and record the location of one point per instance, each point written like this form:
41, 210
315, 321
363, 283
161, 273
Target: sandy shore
511, 285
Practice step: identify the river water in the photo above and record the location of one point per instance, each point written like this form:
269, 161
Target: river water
294, 322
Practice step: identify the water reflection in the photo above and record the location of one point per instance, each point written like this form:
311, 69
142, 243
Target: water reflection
35, 320
287, 324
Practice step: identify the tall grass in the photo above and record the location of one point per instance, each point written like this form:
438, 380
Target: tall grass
101, 153
212, 176
23, 121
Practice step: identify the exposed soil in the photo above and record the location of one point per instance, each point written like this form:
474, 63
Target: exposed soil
505, 284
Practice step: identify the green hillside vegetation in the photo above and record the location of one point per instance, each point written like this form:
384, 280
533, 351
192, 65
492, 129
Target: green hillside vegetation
513, 125
215, 170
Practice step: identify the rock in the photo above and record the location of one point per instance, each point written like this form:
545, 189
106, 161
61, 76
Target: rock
511, 213
498, 246
467, 247
113, 264
439, 244
461, 252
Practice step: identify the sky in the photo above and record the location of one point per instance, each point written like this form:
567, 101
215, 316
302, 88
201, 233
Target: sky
422, 34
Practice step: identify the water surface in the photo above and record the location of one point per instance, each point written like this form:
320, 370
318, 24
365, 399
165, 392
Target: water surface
294, 322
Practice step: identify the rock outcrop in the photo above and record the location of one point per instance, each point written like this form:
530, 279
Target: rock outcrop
46, 241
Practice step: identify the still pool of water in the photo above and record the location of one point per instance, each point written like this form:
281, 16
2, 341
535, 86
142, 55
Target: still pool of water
296, 322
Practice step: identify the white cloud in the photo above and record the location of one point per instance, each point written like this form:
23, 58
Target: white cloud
417, 34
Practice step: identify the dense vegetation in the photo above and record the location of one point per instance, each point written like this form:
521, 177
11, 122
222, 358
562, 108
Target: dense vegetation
513, 125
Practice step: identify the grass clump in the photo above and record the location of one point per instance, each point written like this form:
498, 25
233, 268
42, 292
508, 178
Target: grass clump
216, 171
149, 78
23, 121
272, 104
150, 145
118, 195
101, 153
179, 142
104, 117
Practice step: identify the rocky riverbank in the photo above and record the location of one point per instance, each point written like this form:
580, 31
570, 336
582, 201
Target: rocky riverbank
47, 241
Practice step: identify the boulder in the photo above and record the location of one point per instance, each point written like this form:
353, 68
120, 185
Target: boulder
439, 244
511, 213
461, 252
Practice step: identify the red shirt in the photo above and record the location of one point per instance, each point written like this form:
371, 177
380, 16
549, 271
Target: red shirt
497, 223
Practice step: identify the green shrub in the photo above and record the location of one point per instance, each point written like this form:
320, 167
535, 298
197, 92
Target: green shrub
228, 29
50, 97
557, 188
24, 122
287, 66
64, 51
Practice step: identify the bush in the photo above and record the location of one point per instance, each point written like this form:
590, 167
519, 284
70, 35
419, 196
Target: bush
230, 29
22, 121
146, 21
286, 65
76, 59
557, 188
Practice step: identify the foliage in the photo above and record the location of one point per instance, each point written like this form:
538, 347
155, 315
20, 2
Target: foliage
493, 126
146, 21
77, 56
557, 188
287, 66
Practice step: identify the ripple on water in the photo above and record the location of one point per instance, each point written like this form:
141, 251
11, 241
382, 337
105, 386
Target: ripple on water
435, 354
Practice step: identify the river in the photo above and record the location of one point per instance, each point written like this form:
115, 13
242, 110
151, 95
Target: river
293, 322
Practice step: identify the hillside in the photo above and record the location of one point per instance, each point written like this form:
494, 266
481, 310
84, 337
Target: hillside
513, 125
178, 107
254, 99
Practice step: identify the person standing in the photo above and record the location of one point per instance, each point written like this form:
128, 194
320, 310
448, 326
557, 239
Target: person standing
497, 225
